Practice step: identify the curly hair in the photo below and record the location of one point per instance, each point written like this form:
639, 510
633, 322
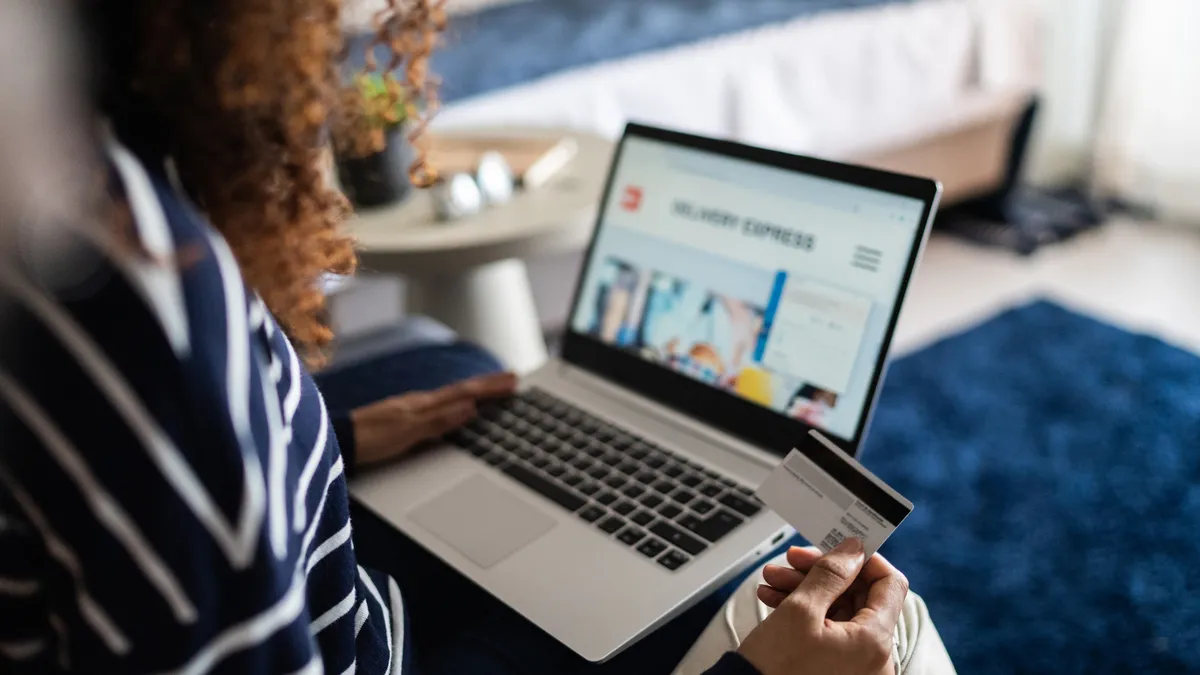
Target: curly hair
246, 97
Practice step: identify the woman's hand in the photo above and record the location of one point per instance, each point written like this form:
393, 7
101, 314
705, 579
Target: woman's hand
833, 614
396, 425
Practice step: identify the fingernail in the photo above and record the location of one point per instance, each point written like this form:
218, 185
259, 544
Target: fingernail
851, 545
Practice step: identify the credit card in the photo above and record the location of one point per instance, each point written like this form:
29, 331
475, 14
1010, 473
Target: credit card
828, 496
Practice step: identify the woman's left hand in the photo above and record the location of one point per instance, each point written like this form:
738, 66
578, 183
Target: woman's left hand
391, 427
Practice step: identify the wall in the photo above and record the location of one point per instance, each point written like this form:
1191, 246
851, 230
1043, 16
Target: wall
1078, 41
1148, 148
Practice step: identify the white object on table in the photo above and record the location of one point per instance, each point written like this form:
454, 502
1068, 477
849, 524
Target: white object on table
470, 273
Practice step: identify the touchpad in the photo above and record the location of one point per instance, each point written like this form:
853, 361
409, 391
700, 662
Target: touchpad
482, 520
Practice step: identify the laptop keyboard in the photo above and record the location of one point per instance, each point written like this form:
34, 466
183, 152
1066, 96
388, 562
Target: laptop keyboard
659, 504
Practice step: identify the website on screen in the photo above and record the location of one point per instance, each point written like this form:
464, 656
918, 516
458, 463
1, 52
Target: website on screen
774, 286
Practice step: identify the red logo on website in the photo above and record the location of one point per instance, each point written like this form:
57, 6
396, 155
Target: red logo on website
632, 199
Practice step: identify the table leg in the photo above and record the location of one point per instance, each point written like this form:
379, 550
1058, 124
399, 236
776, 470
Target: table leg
491, 305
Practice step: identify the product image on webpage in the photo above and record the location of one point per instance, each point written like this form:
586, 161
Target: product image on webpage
737, 343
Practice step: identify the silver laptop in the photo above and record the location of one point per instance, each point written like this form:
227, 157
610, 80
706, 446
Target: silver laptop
732, 298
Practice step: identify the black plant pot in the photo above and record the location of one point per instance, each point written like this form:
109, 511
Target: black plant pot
381, 178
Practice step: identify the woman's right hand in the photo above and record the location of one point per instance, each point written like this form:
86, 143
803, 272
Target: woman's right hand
834, 614
391, 427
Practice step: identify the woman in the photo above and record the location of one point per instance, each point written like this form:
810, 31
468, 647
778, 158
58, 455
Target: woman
172, 484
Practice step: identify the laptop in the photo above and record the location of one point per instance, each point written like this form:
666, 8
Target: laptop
732, 298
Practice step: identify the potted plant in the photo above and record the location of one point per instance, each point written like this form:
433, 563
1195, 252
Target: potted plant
371, 176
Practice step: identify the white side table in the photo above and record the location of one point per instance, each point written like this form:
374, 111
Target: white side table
470, 273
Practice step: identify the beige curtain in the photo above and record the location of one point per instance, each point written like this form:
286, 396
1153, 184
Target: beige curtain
1148, 142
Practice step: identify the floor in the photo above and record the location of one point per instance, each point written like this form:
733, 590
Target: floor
1142, 277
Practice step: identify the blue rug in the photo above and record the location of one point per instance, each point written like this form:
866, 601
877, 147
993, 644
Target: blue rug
1055, 466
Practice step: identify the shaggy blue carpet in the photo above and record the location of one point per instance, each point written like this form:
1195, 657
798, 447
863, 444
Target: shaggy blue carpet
1055, 466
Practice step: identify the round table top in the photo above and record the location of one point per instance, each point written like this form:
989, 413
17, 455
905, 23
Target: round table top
554, 217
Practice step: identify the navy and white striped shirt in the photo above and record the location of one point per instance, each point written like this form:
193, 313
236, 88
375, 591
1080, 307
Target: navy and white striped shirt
172, 494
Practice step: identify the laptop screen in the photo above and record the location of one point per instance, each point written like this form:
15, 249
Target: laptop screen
772, 285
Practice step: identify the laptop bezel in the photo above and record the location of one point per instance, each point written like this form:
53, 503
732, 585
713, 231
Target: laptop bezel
761, 426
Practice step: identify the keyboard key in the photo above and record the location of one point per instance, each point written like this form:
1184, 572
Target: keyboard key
625, 508
669, 510
541, 461
673, 470
615, 481
479, 449
711, 475
655, 461
631, 535
596, 451
676, 536
628, 468
544, 487
583, 463
611, 524
591, 513
691, 480
464, 435
633, 491
673, 560
745, 490
589, 488
556, 470
683, 496
646, 477
643, 518
713, 528
651, 548
494, 458
599, 471
664, 486
711, 490
727, 482
612, 458
703, 506
574, 479
651, 500
637, 451
740, 505
606, 498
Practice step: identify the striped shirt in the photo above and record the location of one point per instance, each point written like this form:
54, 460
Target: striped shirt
172, 494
